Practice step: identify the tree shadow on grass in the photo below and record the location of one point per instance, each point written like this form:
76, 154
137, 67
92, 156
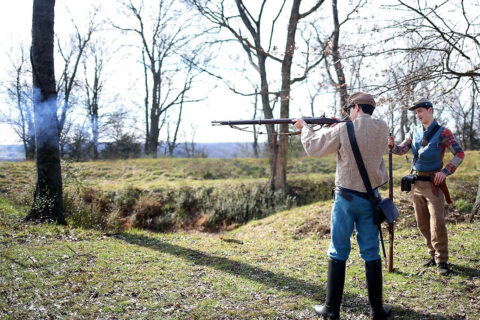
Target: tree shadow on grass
351, 303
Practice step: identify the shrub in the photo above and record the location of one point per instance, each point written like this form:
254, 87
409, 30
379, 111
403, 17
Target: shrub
243, 203
308, 191
125, 147
150, 214
464, 206
80, 215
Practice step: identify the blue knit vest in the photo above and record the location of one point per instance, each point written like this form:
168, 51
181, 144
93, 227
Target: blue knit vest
430, 157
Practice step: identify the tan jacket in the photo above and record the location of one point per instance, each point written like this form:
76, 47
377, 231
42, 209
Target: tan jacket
372, 139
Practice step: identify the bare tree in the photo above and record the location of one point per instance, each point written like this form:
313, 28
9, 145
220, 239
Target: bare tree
93, 66
403, 85
463, 114
476, 206
48, 200
333, 56
190, 62
190, 148
172, 141
19, 96
474, 122
79, 144
122, 140
338, 56
246, 28
161, 40
255, 145
72, 54
430, 29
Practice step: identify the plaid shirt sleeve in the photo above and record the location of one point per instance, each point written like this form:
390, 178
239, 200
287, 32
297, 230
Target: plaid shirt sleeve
448, 141
405, 146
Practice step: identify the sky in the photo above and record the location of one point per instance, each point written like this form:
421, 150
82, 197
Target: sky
125, 74
15, 28
220, 103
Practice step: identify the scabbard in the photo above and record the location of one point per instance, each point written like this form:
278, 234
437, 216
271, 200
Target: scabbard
430, 176
444, 189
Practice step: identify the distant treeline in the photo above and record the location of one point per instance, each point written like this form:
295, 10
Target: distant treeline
127, 149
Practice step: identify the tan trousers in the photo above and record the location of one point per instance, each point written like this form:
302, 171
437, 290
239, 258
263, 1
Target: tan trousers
429, 211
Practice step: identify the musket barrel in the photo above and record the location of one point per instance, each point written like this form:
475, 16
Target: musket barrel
251, 122
320, 120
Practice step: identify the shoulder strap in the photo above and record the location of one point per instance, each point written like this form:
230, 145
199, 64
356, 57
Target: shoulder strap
432, 133
363, 173
360, 164
425, 141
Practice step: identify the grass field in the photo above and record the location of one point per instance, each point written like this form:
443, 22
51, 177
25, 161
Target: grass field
270, 268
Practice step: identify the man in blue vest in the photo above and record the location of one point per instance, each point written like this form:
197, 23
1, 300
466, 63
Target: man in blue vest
428, 142
352, 207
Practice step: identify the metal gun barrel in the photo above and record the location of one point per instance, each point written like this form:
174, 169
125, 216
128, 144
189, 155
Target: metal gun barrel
320, 120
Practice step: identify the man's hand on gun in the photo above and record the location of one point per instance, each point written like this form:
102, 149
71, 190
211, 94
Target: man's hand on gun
300, 123
391, 142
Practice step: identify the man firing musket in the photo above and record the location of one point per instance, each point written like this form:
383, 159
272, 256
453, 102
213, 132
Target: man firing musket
352, 206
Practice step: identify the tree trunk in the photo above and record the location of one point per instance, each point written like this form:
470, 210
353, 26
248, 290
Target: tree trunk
27, 127
404, 123
476, 206
30, 148
342, 84
93, 94
48, 201
280, 181
267, 112
472, 131
147, 123
154, 116
154, 133
255, 146
95, 133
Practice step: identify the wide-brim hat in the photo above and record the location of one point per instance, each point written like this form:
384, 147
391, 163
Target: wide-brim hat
361, 98
422, 103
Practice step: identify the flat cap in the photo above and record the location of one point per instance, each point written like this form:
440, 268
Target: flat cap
361, 98
425, 103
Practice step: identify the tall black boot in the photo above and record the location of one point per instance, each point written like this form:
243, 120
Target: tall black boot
335, 282
373, 271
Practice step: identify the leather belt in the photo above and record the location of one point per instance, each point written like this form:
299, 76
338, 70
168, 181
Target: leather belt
428, 176
423, 178
347, 193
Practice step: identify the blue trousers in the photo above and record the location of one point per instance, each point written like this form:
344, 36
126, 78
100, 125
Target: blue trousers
346, 215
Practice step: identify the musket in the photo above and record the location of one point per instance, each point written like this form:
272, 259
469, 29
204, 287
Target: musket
318, 121
390, 195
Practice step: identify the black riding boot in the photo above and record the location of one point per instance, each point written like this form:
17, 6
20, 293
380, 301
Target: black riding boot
374, 284
335, 282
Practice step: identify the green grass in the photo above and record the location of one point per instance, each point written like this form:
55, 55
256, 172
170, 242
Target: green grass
158, 173
161, 194
270, 268
273, 268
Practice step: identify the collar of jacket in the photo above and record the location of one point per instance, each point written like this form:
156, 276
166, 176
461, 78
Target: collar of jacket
430, 127
363, 115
